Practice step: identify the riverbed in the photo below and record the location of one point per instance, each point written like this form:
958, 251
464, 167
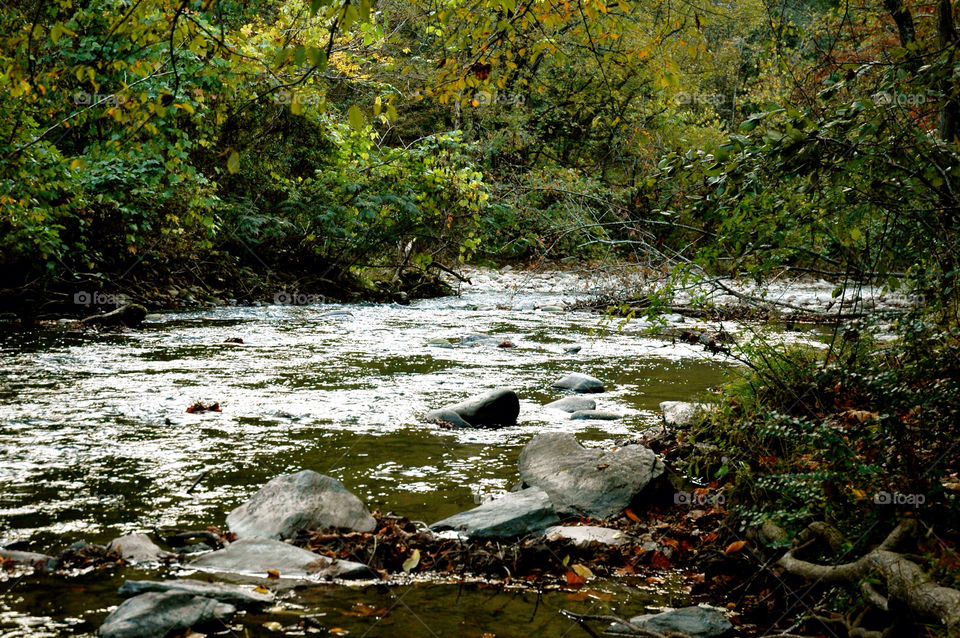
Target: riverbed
95, 440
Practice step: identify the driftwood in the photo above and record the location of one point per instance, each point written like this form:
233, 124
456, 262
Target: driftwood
906, 582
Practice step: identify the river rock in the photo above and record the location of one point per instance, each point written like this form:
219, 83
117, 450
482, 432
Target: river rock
696, 622
500, 407
138, 548
572, 349
256, 556
581, 383
241, 596
155, 615
291, 503
28, 558
439, 343
572, 404
681, 413
595, 415
448, 416
130, 315
587, 482
513, 514
584, 535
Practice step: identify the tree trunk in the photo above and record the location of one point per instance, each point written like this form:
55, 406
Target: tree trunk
949, 123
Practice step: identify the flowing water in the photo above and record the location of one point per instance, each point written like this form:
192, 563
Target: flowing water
95, 441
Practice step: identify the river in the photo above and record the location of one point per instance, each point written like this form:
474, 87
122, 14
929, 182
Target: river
95, 440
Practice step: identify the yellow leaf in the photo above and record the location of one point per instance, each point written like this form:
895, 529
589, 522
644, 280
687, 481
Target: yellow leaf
412, 562
233, 162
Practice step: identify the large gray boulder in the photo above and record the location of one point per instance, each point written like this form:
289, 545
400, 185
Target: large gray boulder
291, 503
681, 414
138, 548
572, 404
241, 596
696, 622
587, 482
155, 615
513, 514
500, 407
257, 556
581, 383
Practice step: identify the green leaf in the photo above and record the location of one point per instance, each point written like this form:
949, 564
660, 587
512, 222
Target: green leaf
233, 162
355, 117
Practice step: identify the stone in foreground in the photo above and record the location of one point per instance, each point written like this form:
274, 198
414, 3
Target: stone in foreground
291, 503
155, 615
514, 514
696, 622
572, 404
257, 556
587, 482
681, 413
584, 535
595, 415
28, 558
581, 383
500, 407
138, 548
238, 595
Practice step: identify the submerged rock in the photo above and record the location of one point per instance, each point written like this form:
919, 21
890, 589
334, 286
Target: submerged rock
696, 622
583, 535
500, 407
155, 615
572, 349
596, 415
514, 514
572, 404
581, 383
587, 482
681, 413
439, 343
138, 548
241, 596
257, 556
291, 503
448, 416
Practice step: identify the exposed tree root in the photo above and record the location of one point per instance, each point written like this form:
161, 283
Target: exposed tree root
906, 582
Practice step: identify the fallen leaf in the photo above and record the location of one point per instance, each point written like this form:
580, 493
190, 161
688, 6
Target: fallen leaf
338, 631
583, 571
273, 574
273, 626
633, 517
660, 561
574, 579
734, 547
260, 589
412, 562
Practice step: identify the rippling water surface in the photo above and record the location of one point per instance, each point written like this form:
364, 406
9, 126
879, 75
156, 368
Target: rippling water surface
95, 441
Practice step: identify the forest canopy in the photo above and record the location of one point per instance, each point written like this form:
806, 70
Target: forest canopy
214, 138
